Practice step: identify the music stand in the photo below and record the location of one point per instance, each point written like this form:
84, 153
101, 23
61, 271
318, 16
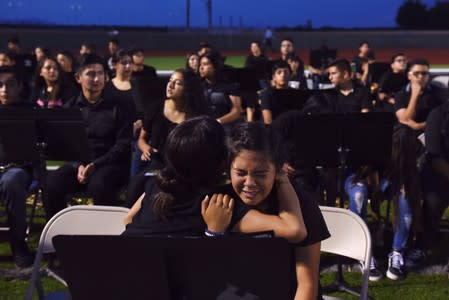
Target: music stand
247, 79
289, 99
233, 267
43, 134
344, 140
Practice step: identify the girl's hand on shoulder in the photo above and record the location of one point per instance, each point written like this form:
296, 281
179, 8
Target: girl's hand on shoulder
217, 212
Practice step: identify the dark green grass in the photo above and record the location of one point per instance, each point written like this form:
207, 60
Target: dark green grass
415, 286
176, 62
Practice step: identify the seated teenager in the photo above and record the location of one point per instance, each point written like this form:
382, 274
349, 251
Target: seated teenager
50, 90
184, 100
280, 76
392, 81
15, 176
226, 105
195, 155
258, 181
108, 137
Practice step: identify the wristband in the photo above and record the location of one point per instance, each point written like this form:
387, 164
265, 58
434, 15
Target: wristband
219, 121
207, 232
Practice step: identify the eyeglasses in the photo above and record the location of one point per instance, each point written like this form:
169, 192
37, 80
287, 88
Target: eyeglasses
8, 84
420, 73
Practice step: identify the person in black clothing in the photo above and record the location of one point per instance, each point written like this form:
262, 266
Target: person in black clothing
120, 87
259, 63
171, 204
184, 100
184, 190
192, 62
270, 106
226, 104
113, 47
364, 57
258, 181
15, 176
257, 59
6, 58
346, 97
392, 82
50, 90
414, 102
297, 75
109, 136
435, 180
67, 62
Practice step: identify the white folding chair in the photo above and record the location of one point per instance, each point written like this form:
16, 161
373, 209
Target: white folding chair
350, 237
74, 220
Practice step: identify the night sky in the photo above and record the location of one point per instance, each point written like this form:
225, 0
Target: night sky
252, 13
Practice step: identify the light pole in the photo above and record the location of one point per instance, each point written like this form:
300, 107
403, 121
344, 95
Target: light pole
187, 15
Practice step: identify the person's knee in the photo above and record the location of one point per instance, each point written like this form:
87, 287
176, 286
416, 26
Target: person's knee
15, 181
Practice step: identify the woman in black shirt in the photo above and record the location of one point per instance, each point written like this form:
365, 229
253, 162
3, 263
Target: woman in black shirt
49, 89
184, 101
226, 106
258, 181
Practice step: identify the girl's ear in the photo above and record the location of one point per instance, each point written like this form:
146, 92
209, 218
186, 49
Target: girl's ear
77, 77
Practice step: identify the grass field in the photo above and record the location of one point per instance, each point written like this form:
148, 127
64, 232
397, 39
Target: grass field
175, 62
414, 287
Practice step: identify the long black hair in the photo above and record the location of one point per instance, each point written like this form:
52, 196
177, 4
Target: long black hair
195, 153
404, 175
257, 137
194, 102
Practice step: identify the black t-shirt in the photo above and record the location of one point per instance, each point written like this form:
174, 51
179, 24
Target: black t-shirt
333, 101
125, 98
258, 63
437, 132
313, 219
271, 102
391, 82
431, 97
218, 97
158, 127
183, 219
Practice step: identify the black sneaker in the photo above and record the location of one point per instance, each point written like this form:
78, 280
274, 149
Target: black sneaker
395, 266
415, 258
23, 260
374, 273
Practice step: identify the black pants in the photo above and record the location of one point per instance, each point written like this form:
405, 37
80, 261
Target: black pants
103, 185
436, 200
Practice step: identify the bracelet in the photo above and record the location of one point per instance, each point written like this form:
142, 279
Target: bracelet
219, 121
207, 232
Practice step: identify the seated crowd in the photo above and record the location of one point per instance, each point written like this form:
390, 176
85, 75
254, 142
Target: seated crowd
169, 146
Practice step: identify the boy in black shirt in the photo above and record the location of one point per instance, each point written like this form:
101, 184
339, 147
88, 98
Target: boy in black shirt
392, 81
15, 177
414, 103
109, 135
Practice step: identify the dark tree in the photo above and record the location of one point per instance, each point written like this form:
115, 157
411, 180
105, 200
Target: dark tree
412, 14
439, 15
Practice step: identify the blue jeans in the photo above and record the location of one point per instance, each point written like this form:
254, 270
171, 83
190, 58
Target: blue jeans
358, 196
14, 184
405, 219
137, 165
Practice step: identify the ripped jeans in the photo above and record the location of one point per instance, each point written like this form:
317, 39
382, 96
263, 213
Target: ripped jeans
358, 202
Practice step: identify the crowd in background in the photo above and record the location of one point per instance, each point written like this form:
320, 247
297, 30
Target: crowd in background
132, 115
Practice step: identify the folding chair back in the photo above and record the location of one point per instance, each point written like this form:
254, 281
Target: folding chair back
350, 237
75, 220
